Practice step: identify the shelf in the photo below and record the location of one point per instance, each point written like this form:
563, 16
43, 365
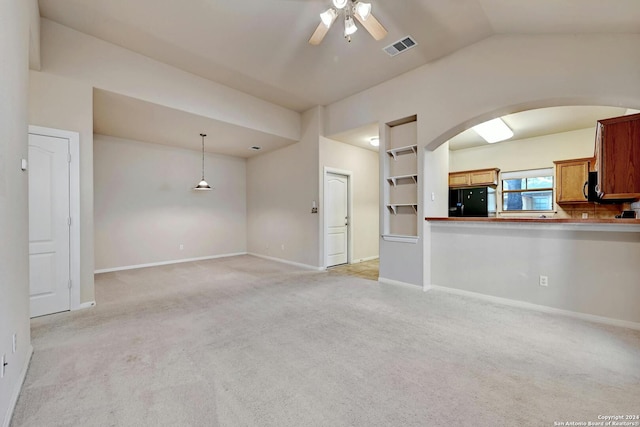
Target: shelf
393, 208
393, 180
400, 238
395, 152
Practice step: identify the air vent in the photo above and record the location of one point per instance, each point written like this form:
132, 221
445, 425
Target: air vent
256, 148
400, 46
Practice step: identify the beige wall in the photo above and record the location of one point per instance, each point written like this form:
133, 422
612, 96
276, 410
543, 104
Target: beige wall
145, 205
590, 272
69, 53
365, 185
522, 154
499, 75
61, 97
61, 103
281, 186
14, 214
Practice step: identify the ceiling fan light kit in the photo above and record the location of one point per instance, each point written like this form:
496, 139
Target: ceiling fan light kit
349, 26
340, 4
328, 16
363, 9
351, 9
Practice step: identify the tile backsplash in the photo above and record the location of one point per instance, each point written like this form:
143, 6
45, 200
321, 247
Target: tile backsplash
593, 210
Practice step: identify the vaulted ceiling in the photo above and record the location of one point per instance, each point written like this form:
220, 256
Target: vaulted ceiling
260, 46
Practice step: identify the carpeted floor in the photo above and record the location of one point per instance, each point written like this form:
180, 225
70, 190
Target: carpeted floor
248, 342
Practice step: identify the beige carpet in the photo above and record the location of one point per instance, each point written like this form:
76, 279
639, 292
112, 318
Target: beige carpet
248, 342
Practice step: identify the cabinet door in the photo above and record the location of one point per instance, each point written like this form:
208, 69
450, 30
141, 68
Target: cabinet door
458, 179
571, 178
484, 177
619, 158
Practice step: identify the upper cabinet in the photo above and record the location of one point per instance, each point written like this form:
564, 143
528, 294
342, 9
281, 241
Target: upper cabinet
474, 178
618, 157
571, 180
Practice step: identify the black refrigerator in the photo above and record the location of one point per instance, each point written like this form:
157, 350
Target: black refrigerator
473, 202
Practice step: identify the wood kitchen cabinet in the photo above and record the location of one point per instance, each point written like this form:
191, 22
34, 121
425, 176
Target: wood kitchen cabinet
618, 158
474, 178
571, 180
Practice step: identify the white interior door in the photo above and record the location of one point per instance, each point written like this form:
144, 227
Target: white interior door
337, 218
49, 256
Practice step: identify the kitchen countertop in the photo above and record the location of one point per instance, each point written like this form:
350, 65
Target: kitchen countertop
539, 220
556, 224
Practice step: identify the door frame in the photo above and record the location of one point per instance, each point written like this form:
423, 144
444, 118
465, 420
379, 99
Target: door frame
74, 206
325, 229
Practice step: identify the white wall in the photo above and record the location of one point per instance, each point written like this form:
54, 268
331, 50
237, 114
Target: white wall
591, 272
281, 186
14, 214
523, 154
499, 75
366, 195
61, 103
145, 207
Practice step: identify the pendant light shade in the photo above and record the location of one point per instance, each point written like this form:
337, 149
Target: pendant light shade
202, 185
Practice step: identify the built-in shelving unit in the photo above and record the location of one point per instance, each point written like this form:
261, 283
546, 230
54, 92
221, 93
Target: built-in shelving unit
401, 175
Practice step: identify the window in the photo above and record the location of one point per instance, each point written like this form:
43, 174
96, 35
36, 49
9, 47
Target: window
530, 190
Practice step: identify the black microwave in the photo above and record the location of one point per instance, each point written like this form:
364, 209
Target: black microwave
591, 193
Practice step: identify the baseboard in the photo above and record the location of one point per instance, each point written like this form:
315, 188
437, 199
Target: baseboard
157, 264
285, 261
16, 393
398, 283
84, 305
541, 308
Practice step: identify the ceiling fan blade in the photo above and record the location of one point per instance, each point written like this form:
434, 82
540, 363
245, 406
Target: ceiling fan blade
318, 34
373, 26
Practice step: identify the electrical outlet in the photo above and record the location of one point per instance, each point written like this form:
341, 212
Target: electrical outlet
181, 247
3, 365
15, 342
544, 281
282, 247
585, 215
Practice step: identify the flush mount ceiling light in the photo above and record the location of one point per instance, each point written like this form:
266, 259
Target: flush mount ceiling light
202, 185
350, 9
494, 130
375, 141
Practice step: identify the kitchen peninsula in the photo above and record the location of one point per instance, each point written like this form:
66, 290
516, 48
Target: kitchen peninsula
589, 268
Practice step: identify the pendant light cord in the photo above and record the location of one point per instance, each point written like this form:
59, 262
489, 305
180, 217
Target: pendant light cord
203, 135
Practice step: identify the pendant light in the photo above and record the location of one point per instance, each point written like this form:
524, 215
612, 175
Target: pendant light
202, 185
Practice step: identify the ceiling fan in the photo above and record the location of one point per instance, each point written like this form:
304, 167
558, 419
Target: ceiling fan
349, 9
